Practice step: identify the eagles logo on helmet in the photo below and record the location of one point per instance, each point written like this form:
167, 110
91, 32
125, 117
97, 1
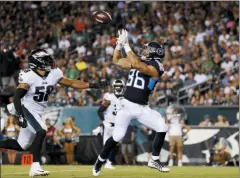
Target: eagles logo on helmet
152, 50
118, 87
39, 58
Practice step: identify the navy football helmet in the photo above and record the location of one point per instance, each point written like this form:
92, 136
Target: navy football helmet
39, 58
152, 50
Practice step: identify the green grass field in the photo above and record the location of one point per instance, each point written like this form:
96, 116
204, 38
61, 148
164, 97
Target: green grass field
124, 172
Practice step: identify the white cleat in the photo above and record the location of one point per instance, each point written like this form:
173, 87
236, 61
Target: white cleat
38, 172
157, 165
109, 166
96, 172
97, 168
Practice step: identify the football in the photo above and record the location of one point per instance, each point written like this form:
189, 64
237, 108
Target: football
102, 17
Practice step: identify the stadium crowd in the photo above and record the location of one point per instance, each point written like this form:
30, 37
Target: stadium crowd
200, 39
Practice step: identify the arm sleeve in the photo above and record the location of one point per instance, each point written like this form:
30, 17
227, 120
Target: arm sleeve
101, 109
20, 92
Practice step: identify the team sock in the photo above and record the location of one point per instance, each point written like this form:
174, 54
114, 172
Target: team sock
157, 144
109, 145
37, 145
113, 154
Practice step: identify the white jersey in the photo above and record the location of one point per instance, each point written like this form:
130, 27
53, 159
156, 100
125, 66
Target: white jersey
175, 126
40, 88
110, 113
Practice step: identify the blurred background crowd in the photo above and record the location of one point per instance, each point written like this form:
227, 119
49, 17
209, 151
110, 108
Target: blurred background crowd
201, 41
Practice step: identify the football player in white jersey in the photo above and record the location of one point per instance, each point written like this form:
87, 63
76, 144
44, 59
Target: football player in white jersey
107, 112
30, 100
144, 73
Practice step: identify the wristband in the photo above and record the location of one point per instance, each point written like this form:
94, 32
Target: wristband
127, 48
119, 47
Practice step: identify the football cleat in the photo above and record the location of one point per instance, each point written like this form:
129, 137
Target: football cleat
109, 165
38, 172
157, 165
97, 168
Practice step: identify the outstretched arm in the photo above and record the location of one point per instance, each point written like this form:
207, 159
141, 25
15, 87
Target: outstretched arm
73, 83
81, 85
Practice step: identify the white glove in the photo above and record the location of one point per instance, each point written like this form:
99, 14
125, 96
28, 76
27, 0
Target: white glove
11, 109
123, 40
119, 45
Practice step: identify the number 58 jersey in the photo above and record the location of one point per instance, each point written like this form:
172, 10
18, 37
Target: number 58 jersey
39, 88
139, 86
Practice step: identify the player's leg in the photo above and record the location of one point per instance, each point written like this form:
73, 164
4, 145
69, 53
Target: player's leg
153, 120
107, 133
37, 127
122, 121
11, 144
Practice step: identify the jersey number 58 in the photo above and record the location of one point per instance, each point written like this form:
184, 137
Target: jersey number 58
42, 93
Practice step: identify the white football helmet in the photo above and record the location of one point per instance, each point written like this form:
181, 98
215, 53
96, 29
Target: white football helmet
118, 87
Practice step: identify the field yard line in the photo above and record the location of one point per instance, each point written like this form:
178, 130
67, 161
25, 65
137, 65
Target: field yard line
72, 170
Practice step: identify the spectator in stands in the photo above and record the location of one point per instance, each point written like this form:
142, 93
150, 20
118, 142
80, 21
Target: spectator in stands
227, 64
127, 146
200, 76
11, 132
64, 43
222, 121
189, 79
197, 99
205, 49
68, 132
61, 97
206, 121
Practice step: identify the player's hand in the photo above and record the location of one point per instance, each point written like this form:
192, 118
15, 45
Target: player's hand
119, 45
123, 38
22, 122
101, 84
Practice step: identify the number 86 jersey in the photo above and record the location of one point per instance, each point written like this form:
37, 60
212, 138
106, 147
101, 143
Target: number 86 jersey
39, 88
139, 86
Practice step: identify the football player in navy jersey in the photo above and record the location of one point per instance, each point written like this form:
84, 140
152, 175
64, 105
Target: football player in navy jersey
145, 71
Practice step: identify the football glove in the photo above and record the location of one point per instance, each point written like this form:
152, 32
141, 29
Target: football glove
123, 40
101, 84
22, 122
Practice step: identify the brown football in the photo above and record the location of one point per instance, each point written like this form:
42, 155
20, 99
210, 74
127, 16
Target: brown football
102, 17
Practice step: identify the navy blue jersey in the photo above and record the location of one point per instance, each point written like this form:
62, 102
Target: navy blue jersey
139, 86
